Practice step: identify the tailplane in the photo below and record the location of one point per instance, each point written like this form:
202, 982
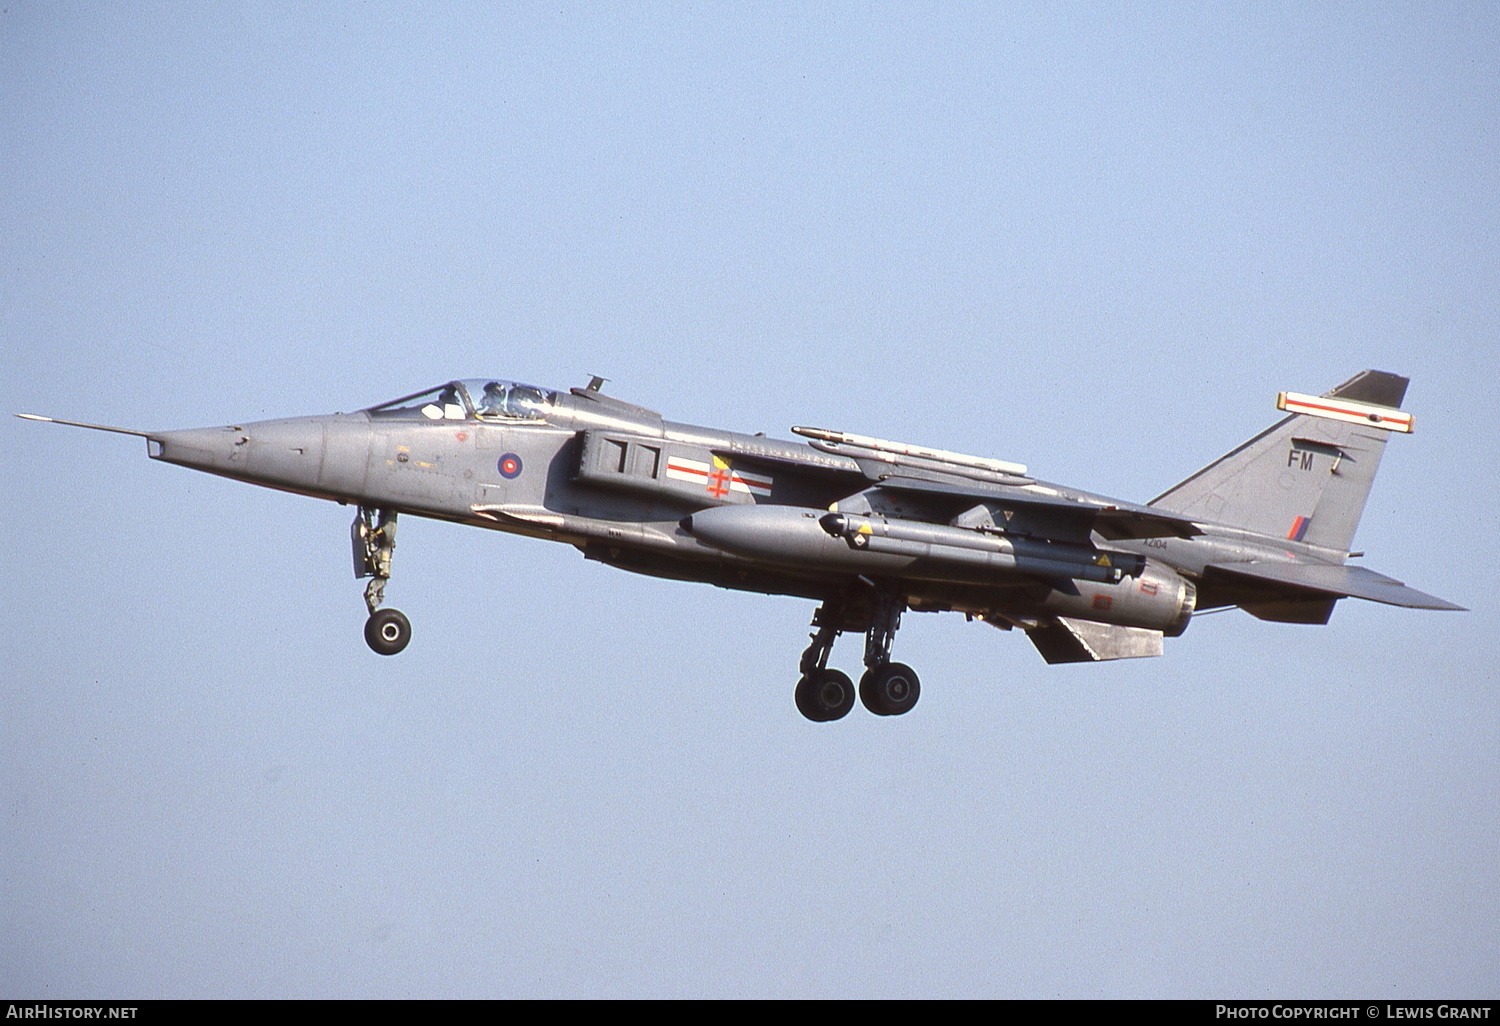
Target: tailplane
1305, 478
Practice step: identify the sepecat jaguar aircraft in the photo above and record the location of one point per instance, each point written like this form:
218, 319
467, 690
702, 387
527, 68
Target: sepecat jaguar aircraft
866, 527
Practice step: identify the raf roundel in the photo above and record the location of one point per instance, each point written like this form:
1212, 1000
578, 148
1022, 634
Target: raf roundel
510, 466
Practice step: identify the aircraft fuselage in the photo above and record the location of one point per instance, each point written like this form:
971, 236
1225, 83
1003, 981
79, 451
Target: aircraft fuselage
867, 527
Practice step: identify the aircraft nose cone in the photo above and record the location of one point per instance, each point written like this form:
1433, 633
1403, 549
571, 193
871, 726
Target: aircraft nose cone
276, 452
199, 448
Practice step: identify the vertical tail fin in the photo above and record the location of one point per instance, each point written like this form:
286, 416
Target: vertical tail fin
1305, 478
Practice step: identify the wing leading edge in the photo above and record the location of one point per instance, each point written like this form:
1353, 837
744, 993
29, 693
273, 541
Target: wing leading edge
1113, 522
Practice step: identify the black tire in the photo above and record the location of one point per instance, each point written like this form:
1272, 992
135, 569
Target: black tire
387, 631
890, 690
825, 696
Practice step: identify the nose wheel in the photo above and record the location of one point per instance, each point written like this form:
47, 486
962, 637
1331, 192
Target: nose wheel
387, 631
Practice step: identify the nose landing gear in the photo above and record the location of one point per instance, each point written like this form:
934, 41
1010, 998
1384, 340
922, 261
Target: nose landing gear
886, 689
373, 533
387, 631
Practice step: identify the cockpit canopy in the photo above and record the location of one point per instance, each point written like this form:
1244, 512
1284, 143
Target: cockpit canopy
471, 398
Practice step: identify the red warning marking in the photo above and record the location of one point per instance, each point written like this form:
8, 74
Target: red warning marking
1103, 601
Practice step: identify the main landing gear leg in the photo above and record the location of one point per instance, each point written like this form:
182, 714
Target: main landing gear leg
374, 535
887, 688
823, 694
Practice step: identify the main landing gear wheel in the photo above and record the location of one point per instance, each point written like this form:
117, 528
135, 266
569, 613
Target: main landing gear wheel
890, 689
886, 689
387, 631
824, 696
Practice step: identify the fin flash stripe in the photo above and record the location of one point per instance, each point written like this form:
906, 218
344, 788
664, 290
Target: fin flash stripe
1346, 410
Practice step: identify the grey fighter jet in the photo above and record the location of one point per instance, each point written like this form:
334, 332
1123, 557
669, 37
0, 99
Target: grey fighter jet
868, 528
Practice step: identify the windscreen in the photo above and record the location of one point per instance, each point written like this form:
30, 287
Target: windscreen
446, 402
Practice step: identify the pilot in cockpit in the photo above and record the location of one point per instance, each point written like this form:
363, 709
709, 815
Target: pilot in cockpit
527, 401
493, 403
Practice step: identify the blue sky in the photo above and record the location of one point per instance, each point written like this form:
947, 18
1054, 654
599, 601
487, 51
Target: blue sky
1090, 238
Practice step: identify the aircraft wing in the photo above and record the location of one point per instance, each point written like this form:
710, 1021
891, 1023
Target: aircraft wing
1114, 522
806, 461
1333, 579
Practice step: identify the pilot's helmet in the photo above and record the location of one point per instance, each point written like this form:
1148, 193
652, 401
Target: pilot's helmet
494, 397
528, 400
